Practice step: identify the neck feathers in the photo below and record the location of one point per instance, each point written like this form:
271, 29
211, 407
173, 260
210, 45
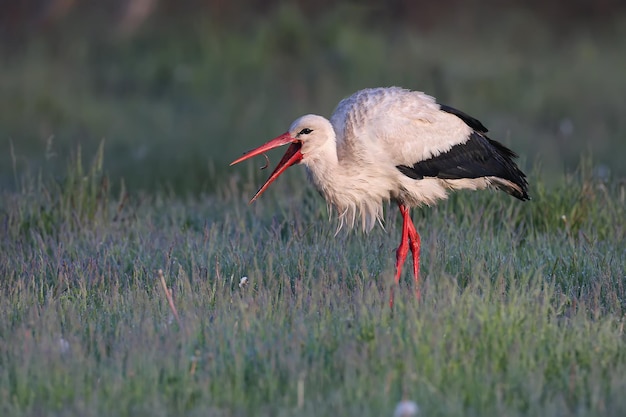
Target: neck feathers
345, 188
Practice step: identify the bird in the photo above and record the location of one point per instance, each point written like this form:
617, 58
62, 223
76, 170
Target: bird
391, 144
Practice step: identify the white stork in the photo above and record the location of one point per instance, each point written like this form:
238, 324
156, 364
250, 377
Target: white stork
386, 144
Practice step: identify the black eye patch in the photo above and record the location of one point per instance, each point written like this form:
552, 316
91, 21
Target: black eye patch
305, 131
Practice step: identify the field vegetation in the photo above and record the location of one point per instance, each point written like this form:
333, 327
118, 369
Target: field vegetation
125, 238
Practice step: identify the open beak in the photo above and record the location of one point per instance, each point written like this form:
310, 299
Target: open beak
291, 157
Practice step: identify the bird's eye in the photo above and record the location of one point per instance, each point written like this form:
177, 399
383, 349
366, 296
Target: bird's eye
305, 131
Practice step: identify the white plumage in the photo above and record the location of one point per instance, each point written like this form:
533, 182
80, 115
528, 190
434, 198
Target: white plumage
386, 144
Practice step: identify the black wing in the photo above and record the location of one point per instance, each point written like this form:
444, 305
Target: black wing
477, 157
469, 120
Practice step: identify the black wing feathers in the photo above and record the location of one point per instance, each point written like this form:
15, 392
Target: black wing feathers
478, 157
469, 120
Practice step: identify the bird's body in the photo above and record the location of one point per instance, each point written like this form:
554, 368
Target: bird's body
385, 144
375, 131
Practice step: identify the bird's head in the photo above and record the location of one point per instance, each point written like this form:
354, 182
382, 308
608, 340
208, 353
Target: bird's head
305, 136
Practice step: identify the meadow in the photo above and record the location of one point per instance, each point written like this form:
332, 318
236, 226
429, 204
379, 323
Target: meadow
124, 236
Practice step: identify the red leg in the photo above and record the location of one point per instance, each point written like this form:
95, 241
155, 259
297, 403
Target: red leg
403, 249
415, 242
410, 239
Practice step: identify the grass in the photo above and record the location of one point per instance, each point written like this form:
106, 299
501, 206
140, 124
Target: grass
114, 180
522, 311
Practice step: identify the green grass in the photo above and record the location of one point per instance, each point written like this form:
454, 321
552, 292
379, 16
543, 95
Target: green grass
522, 310
113, 167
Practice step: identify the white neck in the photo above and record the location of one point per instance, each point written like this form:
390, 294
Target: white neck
322, 167
342, 184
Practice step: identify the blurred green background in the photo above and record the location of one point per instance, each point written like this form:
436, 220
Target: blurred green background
179, 89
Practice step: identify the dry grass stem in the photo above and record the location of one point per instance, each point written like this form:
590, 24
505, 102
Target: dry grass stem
170, 299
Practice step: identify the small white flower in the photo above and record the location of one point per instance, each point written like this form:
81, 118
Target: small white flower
243, 282
64, 345
406, 408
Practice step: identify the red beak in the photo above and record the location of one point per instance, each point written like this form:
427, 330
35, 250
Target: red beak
291, 157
